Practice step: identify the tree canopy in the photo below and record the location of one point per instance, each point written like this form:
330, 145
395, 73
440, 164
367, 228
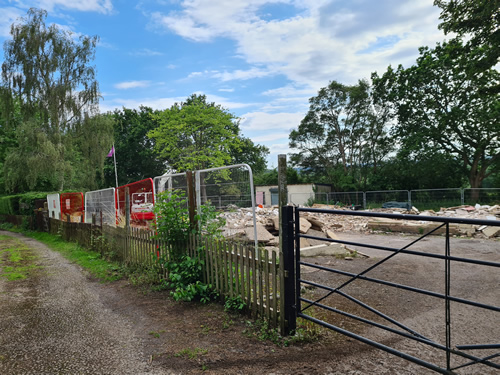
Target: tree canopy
135, 155
342, 136
439, 106
196, 134
50, 99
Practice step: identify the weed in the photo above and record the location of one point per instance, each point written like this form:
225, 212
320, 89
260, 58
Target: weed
234, 304
156, 334
191, 353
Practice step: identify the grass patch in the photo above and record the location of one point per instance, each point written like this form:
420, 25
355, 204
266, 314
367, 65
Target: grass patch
90, 260
16, 259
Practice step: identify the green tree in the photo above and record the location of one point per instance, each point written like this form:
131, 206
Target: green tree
48, 74
195, 134
439, 106
135, 155
342, 136
477, 21
253, 155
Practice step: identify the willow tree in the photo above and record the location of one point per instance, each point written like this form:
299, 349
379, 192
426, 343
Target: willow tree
47, 72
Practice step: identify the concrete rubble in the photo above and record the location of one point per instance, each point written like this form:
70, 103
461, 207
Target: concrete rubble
239, 223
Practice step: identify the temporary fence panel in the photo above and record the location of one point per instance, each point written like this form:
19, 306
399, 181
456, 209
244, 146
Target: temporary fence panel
54, 206
72, 207
435, 198
301, 199
483, 196
227, 188
141, 200
101, 203
347, 198
170, 181
375, 199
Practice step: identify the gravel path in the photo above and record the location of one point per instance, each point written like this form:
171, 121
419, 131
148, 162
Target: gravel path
54, 322
59, 322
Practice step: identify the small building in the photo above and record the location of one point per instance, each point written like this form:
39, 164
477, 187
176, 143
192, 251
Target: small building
299, 194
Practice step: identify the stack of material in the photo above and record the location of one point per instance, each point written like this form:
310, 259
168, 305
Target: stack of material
239, 223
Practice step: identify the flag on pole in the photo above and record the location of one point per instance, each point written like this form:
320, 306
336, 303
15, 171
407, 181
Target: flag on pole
111, 152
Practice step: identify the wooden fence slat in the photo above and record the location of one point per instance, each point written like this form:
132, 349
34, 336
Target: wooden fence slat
266, 279
249, 290
254, 281
275, 289
232, 283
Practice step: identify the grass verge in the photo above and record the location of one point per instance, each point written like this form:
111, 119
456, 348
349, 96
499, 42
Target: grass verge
92, 261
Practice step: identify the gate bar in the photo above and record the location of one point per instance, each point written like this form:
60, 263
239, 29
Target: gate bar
407, 335
377, 345
388, 283
410, 252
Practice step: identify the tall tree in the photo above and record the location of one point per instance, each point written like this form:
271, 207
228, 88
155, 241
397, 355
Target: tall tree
48, 73
439, 106
343, 135
135, 155
196, 134
477, 22
249, 153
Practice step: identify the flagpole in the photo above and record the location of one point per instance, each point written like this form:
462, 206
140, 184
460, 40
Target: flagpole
114, 159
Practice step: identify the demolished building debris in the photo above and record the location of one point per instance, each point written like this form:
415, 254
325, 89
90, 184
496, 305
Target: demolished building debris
239, 223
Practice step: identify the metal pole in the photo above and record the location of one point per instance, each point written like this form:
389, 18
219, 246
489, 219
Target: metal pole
114, 159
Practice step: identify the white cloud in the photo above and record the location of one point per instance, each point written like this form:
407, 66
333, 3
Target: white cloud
146, 52
100, 6
9, 15
226, 90
164, 103
155, 103
258, 121
325, 40
242, 74
132, 84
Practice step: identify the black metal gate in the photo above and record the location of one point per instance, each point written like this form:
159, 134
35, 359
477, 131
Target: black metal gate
352, 322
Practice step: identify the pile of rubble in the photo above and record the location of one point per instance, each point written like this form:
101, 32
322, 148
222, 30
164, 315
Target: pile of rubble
239, 223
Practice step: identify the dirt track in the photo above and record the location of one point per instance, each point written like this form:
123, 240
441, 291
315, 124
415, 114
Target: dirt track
58, 321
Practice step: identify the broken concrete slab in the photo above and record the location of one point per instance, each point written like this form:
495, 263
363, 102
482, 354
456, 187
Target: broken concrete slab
315, 223
304, 242
491, 232
263, 234
424, 227
304, 225
331, 235
324, 250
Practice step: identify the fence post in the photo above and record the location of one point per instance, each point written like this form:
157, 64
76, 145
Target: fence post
191, 199
127, 208
462, 196
289, 318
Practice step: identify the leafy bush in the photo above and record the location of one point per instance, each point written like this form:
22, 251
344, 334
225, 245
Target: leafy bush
185, 273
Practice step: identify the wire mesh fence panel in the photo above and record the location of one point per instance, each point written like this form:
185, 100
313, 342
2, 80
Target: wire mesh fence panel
101, 203
350, 198
376, 199
483, 196
174, 181
226, 188
302, 199
426, 199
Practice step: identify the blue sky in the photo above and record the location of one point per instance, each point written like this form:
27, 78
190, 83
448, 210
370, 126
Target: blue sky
260, 59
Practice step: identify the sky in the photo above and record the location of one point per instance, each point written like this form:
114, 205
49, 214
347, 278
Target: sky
260, 59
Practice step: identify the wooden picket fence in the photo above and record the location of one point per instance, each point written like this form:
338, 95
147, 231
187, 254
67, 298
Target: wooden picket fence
232, 269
